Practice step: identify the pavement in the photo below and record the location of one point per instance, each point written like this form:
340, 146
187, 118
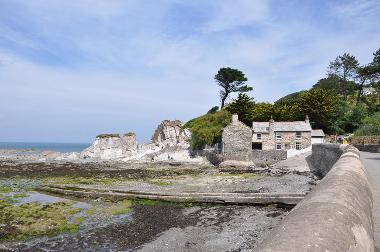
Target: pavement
371, 162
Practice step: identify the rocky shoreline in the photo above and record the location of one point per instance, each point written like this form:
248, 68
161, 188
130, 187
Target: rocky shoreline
117, 162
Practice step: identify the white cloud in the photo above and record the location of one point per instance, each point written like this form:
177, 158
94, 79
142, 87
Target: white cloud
123, 70
230, 14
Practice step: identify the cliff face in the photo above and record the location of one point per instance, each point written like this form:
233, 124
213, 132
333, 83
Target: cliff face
111, 146
169, 142
170, 133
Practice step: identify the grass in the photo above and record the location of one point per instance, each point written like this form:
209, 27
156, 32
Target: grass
121, 207
161, 183
130, 134
5, 190
35, 219
20, 195
79, 220
107, 135
90, 212
69, 180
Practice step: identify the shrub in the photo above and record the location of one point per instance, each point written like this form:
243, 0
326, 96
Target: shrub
107, 135
129, 134
370, 126
207, 129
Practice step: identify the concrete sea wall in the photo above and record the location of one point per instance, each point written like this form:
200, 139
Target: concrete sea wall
323, 157
336, 215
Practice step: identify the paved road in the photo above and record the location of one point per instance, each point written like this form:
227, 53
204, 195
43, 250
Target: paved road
372, 163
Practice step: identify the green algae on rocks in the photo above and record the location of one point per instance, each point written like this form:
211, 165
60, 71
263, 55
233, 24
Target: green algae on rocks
35, 219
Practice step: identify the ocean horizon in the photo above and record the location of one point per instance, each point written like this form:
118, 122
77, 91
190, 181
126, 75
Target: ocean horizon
45, 146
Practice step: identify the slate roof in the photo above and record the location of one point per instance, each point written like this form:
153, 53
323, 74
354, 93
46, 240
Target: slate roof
317, 133
263, 127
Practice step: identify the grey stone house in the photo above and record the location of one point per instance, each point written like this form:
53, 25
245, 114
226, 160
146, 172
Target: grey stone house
237, 140
274, 135
240, 142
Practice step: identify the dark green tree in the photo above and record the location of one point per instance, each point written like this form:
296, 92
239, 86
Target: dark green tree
213, 110
331, 83
320, 106
344, 67
262, 112
370, 126
368, 76
243, 106
231, 81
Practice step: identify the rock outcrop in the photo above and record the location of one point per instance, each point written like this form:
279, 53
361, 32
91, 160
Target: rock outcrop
170, 133
111, 146
169, 142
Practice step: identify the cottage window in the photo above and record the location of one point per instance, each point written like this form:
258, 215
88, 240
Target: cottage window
278, 136
258, 136
298, 135
298, 146
278, 146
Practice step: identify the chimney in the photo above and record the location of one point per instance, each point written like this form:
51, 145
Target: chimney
235, 118
271, 125
307, 119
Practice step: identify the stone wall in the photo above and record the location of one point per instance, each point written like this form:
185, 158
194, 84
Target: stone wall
268, 156
335, 216
323, 157
237, 141
368, 148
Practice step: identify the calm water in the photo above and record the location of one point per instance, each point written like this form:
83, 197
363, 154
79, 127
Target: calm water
61, 147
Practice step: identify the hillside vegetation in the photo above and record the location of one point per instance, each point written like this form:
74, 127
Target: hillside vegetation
208, 128
346, 101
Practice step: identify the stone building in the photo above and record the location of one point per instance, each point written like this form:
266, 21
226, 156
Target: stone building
317, 136
274, 135
237, 138
266, 140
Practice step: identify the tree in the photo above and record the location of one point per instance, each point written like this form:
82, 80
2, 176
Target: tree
344, 67
243, 106
262, 112
370, 126
320, 106
213, 110
330, 83
231, 81
290, 98
368, 76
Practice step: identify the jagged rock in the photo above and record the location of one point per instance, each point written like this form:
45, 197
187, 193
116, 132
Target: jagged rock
170, 133
130, 141
111, 146
70, 156
169, 142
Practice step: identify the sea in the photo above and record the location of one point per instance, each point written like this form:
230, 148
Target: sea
38, 147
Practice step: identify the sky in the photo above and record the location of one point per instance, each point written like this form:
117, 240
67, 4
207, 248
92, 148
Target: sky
72, 69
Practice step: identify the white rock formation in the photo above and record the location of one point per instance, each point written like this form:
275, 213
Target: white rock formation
169, 142
69, 156
111, 146
170, 133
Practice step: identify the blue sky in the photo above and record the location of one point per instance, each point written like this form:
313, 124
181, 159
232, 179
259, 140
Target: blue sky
70, 70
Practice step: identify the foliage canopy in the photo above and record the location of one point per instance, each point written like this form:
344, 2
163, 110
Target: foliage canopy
231, 81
